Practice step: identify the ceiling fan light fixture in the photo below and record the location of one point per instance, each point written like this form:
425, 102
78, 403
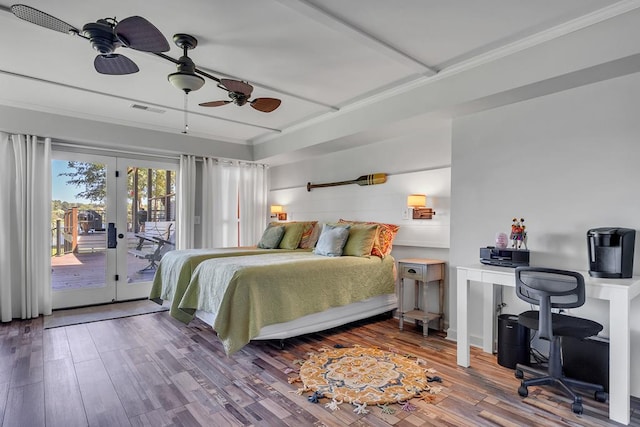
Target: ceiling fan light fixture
186, 82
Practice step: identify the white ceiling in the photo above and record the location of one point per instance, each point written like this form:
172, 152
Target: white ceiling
318, 56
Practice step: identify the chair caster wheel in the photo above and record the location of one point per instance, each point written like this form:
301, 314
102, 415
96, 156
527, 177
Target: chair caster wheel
519, 374
576, 407
523, 391
600, 396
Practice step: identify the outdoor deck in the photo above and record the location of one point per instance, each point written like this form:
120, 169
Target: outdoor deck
87, 270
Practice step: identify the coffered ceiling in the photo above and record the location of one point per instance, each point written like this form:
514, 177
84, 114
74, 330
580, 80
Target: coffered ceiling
320, 57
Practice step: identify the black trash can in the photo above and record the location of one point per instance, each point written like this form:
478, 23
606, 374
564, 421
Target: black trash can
586, 360
513, 342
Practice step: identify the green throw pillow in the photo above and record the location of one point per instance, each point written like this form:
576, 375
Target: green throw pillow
361, 240
271, 237
292, 235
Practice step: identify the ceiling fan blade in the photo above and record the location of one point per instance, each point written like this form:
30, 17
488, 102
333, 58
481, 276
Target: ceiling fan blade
45, 20
139, 34
266, 105
214, 103
114, 64
237, 86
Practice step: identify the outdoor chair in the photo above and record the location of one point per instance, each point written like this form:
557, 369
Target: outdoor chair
159, 247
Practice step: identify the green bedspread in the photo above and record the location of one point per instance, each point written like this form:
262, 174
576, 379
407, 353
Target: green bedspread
247, 293
174, 272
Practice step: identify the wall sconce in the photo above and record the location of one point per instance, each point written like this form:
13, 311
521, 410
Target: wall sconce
277, 211
417, 203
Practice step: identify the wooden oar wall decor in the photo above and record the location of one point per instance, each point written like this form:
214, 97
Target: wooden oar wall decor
372, 179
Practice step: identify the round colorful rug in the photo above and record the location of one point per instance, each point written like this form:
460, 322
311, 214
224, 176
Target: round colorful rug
363, 375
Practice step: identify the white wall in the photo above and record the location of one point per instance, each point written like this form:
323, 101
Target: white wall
416, 162
566, 163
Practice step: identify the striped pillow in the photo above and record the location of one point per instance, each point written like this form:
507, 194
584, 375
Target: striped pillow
384, 241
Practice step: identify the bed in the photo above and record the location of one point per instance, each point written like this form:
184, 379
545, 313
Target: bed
174, 272
276, 296
176, 267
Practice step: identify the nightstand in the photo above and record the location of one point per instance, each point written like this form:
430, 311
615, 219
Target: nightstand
422, 271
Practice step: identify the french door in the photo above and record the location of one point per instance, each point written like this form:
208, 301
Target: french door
103, 207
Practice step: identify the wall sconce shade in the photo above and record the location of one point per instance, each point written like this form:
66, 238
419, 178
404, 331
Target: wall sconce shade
277, 211
418, 202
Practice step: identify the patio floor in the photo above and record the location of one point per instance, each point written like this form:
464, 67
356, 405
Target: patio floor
87, 270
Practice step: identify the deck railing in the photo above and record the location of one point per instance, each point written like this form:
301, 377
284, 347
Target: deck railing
76, 233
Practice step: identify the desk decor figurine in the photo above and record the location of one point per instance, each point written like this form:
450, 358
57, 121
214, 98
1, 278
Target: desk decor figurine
518, 234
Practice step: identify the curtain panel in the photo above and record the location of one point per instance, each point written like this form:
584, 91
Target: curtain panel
186, 201
252, 201
234, 198
219, 203
25, 215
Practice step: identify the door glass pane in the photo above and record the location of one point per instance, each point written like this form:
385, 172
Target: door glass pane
79, 237
150, 220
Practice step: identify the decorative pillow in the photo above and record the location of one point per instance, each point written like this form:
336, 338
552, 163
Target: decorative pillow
309, 233
384, 242
361, 239
292, 235
271, 237
332, 240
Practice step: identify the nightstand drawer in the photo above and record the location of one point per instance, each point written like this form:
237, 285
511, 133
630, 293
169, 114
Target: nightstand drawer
414, 271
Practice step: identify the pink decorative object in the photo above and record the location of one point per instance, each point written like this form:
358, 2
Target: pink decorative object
501, 240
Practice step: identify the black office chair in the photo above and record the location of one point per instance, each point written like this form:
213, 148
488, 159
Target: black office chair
550, 288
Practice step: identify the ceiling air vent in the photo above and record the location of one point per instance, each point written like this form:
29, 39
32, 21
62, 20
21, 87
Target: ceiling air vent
147, 108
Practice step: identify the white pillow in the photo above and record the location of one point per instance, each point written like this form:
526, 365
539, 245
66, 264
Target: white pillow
332, 240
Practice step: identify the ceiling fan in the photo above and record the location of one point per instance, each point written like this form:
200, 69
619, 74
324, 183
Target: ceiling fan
239, 92
105, 35
135, 32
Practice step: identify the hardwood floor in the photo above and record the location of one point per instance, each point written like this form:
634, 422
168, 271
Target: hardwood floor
151, 370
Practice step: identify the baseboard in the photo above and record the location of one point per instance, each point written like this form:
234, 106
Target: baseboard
474, 340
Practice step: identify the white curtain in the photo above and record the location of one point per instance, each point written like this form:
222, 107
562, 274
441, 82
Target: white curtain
25, 216
234, 203
186, 200
253, 202
220, 180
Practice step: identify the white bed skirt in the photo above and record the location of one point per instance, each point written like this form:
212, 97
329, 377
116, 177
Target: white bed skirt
327, 319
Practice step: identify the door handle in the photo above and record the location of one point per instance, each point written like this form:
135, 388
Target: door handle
412, 271
111, 236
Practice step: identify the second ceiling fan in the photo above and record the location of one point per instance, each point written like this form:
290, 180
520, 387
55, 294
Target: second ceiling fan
135, 32
186, 79
239, 92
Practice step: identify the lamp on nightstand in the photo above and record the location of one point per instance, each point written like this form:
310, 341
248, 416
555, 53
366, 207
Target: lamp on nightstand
418, 203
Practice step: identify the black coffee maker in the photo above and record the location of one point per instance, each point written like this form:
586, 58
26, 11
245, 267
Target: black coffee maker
611, 252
